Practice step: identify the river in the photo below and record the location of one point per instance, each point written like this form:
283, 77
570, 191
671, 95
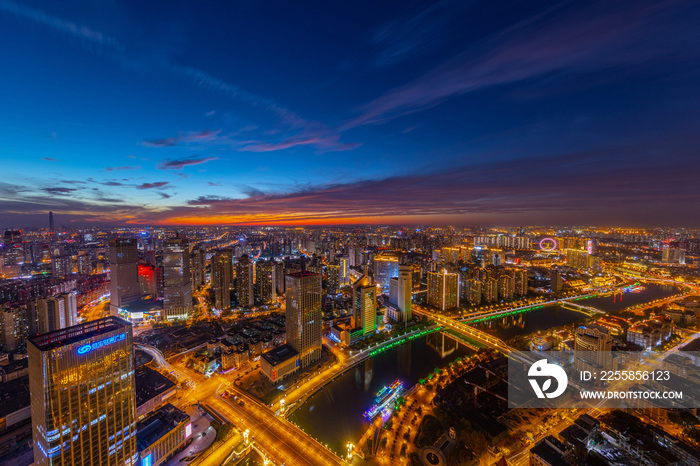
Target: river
334, 414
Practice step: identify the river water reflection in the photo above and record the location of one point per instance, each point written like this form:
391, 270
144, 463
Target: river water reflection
334, 414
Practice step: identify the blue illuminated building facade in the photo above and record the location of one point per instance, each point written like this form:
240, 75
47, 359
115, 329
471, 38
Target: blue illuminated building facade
83, 401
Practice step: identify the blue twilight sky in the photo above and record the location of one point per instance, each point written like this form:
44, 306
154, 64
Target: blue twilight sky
510, 112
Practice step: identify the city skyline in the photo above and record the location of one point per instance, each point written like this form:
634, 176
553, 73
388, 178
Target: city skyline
443, 113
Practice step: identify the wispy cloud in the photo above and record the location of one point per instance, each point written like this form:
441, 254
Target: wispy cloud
68, 27
49, 159
324, 143
154, 185
184, 138
123, 167
59, 191
418, 32
592, 36
182, 163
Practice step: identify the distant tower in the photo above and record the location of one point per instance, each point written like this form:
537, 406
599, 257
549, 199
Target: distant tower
51, 221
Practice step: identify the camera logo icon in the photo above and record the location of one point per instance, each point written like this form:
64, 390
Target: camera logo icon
544, 372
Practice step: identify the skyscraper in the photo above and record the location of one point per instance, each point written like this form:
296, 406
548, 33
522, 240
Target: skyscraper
124, 273
443, 289
51, 221
244, 282
266, 282
57, 312
198, 266
221, 275
385, 267
83, 405
61, 263
13, 327
177, 285
405, 290
304, 316
333, 278
364, 303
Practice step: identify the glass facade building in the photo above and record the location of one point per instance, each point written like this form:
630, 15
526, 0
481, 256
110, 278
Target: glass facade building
83, 403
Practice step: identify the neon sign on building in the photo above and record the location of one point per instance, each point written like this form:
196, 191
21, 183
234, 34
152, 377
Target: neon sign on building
99, 344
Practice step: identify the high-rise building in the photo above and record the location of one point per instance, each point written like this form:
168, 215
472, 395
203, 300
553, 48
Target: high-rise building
84, 263
593, 337
506, 287
266, 281
304, 316
672, 255
385, 267
83, 405
364, 302
198, 266
57, 312
244, 282
13, 327
333, 278
489, 289
405, 290
555, 281
221, 276
61, 263
147, 280
51, 221
124, 273
177, 286
344, 262
520, 277
474, 292
443, 289
279, 277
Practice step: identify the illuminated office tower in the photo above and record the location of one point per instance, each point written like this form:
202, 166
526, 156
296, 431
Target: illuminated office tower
198, 266
345, 264
221, 277
364, 302
123, 273
147, 280
303, 316
83, 405
385, 267
177, 285
244, 282
405, 290
443, 289
474, 292
333, 278
506, 287
266, 281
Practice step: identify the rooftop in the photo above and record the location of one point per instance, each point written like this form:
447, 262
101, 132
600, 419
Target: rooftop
157, 425
68, 335
149, 384
14, 395
279, 354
